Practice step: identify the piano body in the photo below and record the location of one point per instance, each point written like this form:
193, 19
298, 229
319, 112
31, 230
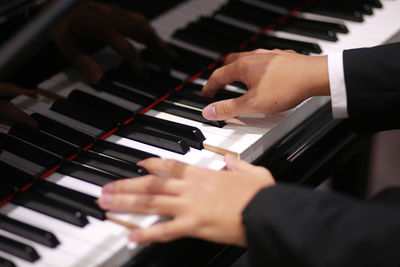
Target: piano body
96, 134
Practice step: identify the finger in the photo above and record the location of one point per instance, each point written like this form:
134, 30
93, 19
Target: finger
170, 168
235, 56
161, 232
226, 109
164, 55
86, 65
220, 78
12, 114
147, 204
122, 46
137, 27
10, 91
148, 184
234, 164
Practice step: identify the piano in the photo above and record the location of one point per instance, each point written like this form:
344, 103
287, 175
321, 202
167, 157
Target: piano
92, 134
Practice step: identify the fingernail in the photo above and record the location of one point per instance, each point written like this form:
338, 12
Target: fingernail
108, 189
209, 112
140, 163
106, 200
134, 236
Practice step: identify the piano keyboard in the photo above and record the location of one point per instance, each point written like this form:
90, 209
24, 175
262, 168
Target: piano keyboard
172, 129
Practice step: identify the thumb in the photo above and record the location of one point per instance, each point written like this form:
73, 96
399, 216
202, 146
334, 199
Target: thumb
161, 232
226, 109
234, 164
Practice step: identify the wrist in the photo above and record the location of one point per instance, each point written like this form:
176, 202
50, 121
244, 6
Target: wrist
317, 80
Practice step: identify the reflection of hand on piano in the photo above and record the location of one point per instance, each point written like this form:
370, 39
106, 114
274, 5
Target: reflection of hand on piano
8, 111
277, 81
109, 24
204, 203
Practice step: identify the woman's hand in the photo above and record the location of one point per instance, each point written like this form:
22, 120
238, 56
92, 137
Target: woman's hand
9, 112
203, 203
108, 24
277, 81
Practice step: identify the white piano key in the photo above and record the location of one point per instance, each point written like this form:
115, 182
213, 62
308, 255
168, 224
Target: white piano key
75, 184
94, 244
139, 220
21, 263
48, 255
82, 236
73, 240
201, 158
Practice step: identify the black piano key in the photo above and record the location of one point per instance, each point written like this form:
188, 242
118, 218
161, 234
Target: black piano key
156, 85
121, 152
78, 97
336, 11
249, 13
15, 161
87, 173
7, 191
270, 42
14, 176
221, 29
203, 40
220, 95
18, 249
308, 28
95, 118
28, 231
255, 15
62, 131
364, 8
29, 151
189, 61
51, 208
43, 140
109, 164
190, 99
141, 100
6, 263
287, 4
80, 201
139, 133
192, 135
187, 113
374, 3
213, 34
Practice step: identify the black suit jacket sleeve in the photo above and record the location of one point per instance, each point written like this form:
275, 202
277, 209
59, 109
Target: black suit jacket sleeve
292, 226
372, 77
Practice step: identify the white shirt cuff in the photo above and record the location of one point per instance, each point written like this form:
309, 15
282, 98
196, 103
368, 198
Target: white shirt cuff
337, 85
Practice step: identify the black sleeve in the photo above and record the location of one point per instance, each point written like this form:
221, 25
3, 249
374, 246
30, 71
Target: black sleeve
292, 226
372, 77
